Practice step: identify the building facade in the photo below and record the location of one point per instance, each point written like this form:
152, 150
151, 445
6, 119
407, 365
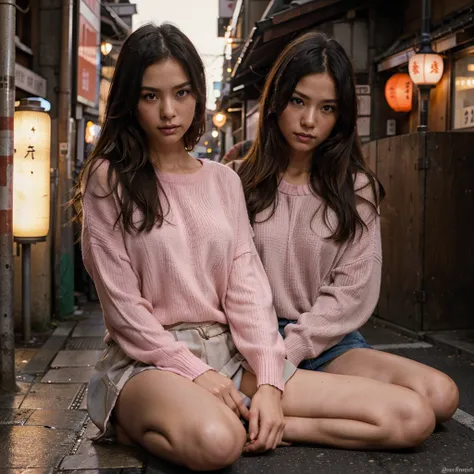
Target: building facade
427, 282
65, 56
379, 37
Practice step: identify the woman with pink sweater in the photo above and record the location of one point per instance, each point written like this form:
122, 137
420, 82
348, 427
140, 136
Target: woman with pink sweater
314, 206
187, 305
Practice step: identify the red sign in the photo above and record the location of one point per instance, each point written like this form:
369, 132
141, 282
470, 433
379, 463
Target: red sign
94, 6
88, 62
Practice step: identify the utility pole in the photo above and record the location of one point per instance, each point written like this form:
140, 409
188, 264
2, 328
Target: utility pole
7, 110
63, 238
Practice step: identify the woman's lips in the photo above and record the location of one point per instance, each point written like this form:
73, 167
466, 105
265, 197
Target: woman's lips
303, 138
168, 130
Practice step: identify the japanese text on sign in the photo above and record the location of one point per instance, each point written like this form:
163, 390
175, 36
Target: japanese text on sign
467, 117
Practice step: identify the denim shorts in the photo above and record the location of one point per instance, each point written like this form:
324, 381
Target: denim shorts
353, 340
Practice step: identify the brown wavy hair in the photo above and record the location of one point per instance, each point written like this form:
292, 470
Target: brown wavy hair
335, 163
122, 141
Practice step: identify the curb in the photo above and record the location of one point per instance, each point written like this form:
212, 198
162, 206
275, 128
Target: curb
444, 339
48, 351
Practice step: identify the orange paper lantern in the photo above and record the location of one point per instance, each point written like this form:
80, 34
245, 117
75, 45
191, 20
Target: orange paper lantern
399, 92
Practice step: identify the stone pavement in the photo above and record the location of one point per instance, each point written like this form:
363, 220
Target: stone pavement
44, 427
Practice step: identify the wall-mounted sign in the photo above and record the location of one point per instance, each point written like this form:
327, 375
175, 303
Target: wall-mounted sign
29, 81
363, 90
364, 105
363, 110
88, 61
466, 117
363, 126
391, 127
226, 8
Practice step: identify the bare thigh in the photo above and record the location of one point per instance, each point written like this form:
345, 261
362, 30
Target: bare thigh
350, 412
174, 418
439, 389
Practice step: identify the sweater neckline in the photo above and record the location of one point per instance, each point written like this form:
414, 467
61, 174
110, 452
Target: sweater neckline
183, 178
294, 189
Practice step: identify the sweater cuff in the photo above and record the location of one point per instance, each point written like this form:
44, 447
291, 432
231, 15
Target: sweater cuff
269, 371
295, 350
187, 365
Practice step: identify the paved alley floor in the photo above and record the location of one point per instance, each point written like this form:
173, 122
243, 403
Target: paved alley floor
44, 427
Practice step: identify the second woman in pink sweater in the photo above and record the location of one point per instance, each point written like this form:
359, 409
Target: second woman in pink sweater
314, 206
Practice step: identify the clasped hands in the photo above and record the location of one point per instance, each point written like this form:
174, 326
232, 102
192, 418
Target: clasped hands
265, 417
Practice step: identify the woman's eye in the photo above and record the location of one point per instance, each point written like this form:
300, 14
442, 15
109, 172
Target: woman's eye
329, 108
296, 101
182, 93
149, 96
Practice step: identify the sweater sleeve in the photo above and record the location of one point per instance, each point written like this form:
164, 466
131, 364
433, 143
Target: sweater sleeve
249, 306
347, 301
128, 316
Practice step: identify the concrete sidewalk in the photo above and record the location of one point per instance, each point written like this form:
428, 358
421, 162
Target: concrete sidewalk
45, 427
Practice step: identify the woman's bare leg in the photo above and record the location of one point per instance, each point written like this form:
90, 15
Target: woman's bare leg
350, 412
177, 420
439, 389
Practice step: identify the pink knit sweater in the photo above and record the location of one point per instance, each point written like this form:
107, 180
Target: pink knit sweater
330, 289
200, 266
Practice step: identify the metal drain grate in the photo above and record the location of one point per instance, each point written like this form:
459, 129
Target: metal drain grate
76, 403
80, 438
85, 343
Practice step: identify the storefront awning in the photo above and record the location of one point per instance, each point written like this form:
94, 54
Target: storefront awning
273, 33
447, 35
112, 25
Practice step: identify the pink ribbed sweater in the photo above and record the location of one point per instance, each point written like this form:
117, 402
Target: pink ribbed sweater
330, 289
200, 266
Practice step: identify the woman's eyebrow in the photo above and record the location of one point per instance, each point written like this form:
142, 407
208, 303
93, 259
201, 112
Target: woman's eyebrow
155, 89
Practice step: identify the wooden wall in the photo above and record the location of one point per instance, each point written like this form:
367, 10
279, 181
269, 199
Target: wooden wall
427, 228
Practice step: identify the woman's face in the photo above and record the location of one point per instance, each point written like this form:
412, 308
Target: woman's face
310, 115
167, 105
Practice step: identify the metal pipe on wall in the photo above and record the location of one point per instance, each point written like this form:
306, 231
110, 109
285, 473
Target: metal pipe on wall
63, 241
424, 91
426, 22
26, 290
7, 110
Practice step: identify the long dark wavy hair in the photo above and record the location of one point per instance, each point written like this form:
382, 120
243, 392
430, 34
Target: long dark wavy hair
335, 162
123, 142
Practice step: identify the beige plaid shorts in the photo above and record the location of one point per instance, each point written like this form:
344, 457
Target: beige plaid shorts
212, 343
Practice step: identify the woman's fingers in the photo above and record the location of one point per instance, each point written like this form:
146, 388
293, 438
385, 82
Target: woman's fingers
253, 424
227, 399
243, 411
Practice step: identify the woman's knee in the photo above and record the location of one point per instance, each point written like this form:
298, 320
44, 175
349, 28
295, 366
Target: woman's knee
215, 445
443, 395
411, 421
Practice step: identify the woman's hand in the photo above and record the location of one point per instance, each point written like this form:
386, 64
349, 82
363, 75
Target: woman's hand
266, 424
223, 388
